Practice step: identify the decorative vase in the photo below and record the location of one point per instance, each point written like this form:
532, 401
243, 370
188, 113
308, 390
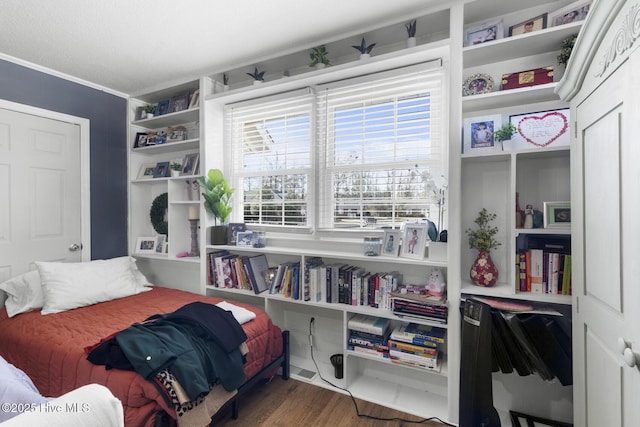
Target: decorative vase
483, 271
258, 82
149, 116
225, 88
320, 65
506, 145
175, 173
365, 55
411, 42
219, 235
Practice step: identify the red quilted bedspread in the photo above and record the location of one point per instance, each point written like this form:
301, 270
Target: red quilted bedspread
50, 349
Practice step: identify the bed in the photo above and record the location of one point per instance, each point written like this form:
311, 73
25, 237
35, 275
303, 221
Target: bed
52, 349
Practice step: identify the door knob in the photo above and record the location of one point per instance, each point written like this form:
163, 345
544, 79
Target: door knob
623, 345
74, 247
629, 357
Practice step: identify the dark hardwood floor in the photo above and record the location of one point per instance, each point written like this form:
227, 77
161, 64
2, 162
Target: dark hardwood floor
297, 403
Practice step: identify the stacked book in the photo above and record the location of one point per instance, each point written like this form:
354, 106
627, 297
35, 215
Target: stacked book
414, 301
416, 345
370, 335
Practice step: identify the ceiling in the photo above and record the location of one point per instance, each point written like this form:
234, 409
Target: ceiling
130, 46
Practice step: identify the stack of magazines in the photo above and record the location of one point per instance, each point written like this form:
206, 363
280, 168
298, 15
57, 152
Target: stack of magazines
414, 301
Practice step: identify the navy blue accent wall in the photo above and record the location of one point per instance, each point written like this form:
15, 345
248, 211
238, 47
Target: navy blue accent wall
108, 116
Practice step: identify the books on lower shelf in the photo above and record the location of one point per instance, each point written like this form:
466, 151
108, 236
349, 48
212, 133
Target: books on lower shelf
369, 335
414, 301
416, 345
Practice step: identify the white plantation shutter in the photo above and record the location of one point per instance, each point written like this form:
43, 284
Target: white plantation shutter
380, 141
362, 152
271, 141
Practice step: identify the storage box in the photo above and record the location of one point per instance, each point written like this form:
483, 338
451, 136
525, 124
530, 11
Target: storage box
533, 77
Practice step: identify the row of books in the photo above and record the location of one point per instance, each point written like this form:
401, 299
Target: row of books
225, 270
544, 272
352, 285
407, 344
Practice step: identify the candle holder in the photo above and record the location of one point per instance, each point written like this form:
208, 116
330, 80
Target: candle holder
195, 248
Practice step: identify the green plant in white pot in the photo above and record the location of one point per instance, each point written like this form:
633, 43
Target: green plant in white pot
217, 201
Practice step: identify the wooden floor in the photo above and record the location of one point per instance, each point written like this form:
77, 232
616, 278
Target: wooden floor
296, 403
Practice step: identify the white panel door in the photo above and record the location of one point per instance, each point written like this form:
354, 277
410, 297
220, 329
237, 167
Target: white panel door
40, 191
606, 237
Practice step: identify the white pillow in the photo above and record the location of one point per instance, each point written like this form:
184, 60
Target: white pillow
24, 293
73, 285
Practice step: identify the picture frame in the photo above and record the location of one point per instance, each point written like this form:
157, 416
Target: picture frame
486, 32
413, 241
140, 140
179, 103
176, 133
161, 241
477, 84
541, 129
195, 99
519, 419
391, 243
146, 171
574, 12
146, 245
232, 232
190, 164
479, 134
557, 214
244, 238
529, 26
162, 170
162, 107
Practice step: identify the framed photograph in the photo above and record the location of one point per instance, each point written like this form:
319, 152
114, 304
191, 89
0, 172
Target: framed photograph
483, 33
557, 214
195, 99
391, 243
161, 241
413, 241
529, 26
542, 129
232, 232
576, 11
179, 103
176, 133
479, 135
190, 164
146, 245
244, 238
146, 171
162, 170
141, 140
476, 84
162, 107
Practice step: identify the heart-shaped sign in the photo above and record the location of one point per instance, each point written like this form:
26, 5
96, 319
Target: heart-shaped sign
543, 129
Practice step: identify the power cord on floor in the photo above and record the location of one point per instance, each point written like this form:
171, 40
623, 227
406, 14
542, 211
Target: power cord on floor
353, 399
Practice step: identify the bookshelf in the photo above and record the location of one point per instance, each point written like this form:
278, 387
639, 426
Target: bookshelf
363, 373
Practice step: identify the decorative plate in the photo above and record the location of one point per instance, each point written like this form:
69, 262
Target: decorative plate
477, 84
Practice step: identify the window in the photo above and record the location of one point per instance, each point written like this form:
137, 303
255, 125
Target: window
272, 158
382, 146
371, 148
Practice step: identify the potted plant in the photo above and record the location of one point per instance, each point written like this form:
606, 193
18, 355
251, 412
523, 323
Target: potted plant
175, 166
225, 82
364, 49
565, 49
318, 57
149, 110
504, 135
483, 271
217, 201
258, 76
411, 33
